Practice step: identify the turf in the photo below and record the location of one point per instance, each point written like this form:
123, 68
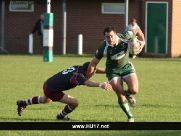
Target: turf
158, 100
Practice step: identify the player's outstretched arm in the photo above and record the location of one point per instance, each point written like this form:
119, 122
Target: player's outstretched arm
139, 34
100, 70
92, 66
104, 85
141, 38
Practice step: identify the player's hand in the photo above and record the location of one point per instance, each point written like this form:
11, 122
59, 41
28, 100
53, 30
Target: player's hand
106, 86
142, 44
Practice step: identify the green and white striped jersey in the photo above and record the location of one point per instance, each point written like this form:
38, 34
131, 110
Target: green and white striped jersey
118, 55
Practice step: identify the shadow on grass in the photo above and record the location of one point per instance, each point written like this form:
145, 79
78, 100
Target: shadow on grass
107, 106
157, 106
21, 119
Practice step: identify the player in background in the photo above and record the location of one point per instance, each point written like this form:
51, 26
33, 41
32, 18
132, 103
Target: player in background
132, 25
118, 67
54, 86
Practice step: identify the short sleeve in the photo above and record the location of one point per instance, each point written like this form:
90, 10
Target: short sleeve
78, 79
100, 50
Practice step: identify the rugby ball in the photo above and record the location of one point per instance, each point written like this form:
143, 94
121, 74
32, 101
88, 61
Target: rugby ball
134, 46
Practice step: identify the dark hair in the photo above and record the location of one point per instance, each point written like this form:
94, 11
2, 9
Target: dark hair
85, 66
108, 29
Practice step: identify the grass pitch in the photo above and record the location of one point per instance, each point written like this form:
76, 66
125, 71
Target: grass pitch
158, 100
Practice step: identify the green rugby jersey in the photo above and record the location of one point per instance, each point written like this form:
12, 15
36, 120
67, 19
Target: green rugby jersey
118, 55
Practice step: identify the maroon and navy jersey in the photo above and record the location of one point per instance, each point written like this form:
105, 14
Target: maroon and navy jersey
66, 79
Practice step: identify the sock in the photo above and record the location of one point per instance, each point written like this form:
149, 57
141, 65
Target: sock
125, 107
34, 100
65, 111
128, 92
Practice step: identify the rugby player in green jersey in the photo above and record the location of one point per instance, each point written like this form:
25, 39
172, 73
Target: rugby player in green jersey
118, 67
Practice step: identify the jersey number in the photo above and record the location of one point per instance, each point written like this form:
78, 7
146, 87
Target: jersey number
68, 70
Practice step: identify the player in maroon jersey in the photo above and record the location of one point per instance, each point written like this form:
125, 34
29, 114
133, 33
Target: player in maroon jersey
54, 86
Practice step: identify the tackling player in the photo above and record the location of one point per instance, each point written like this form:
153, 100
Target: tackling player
54, 86
118, 67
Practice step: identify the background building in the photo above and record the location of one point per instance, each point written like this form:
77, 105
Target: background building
159, 21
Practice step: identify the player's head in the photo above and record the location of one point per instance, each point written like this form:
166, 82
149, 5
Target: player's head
41, 17
85, 66
110, 35
133, 22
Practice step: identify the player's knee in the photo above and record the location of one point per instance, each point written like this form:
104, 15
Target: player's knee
43, 100
134, 90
